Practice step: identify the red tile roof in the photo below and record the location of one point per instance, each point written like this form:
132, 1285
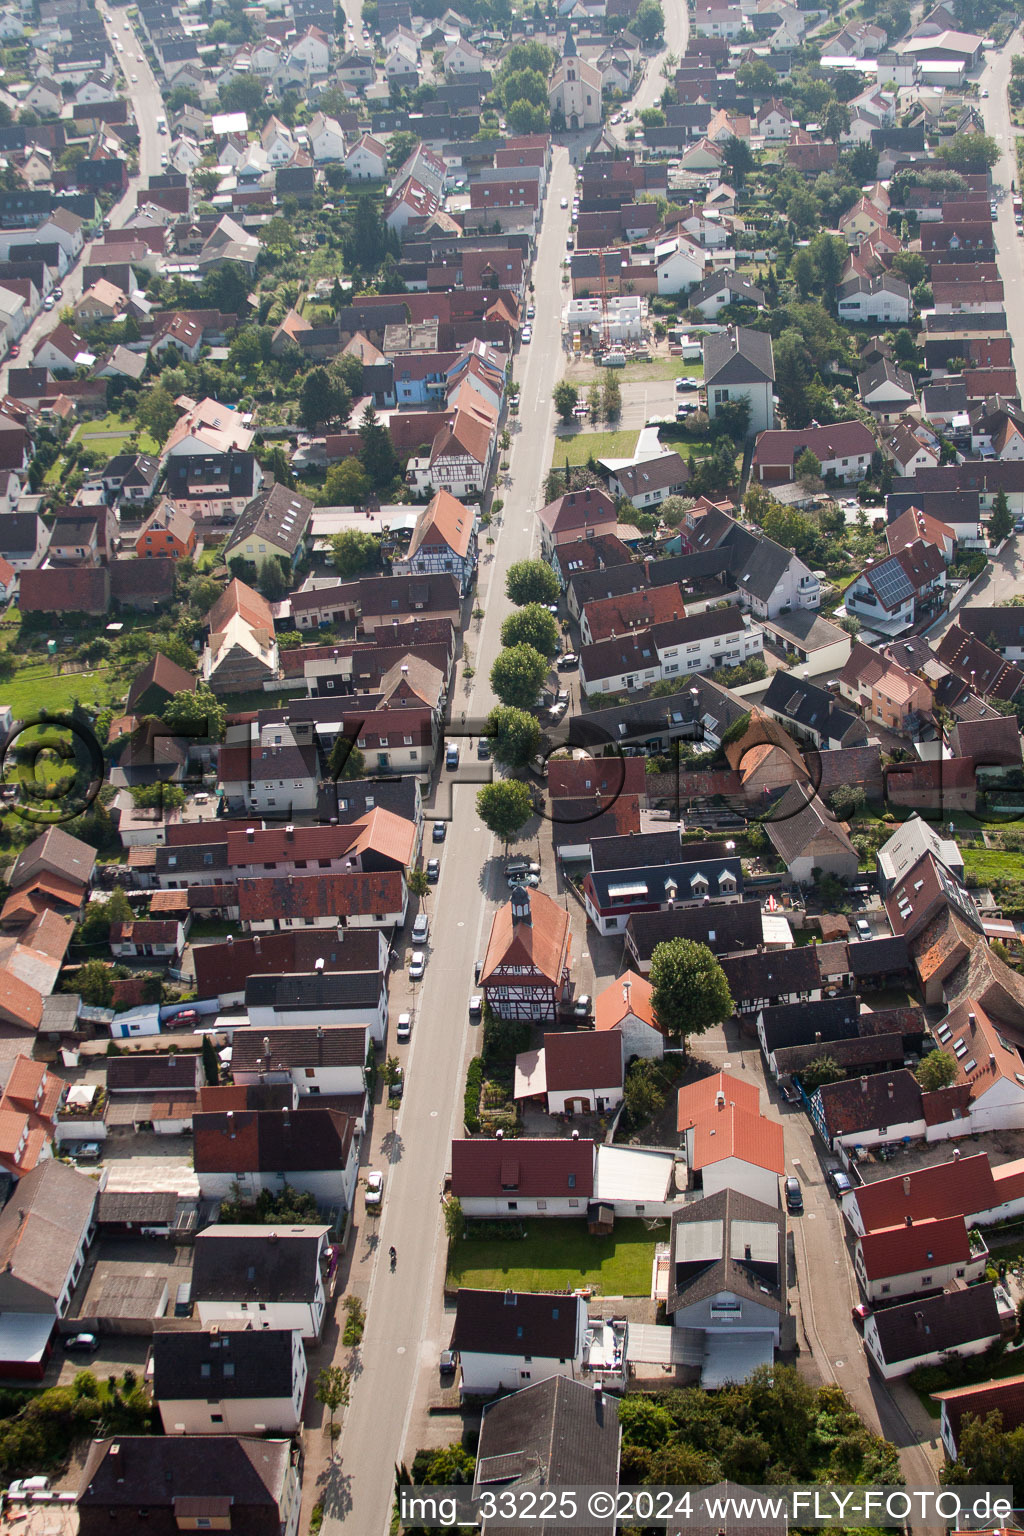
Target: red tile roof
627, 994
962, 1186
697, 1100
590, 776
733, 1132
582, 1059
544, 1167
543, 944
905, 1250
327, 895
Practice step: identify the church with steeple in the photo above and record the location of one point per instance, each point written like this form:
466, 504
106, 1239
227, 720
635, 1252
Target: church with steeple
575, 89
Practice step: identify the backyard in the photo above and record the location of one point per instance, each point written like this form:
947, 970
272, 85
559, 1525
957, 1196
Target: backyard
634, 373
599, 445
556, 1256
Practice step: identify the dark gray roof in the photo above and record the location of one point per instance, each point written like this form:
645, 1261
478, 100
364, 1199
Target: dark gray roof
150, 1071
771, 974
330, 1045
314, 989
230, 1363
932, 1324
279, 515
832, 1018
709, 1243
865, 1051
878, 957
555, 1433
256, 1263
724, 928
516, 1323
867, 1103
179, 1476
637, 721
799, 817
813, 708
638, 848
142, 1207
738, 356
658, 878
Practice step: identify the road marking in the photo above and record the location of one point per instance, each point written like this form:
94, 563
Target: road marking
433, 1114
400, 1350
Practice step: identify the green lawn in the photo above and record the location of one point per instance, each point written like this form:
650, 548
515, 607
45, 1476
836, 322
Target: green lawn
37, 686
603, 445
639, 373
94, 435
556, 1255
989, 864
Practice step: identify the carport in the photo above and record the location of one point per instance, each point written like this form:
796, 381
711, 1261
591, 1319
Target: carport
734, 1356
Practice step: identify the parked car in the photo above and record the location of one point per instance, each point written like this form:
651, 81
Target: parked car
86, 1152
451, 756
839, 1181
863, 928
433, 871
449, 1362
686, 386
522, 867
420, 928
439, 831
558, 709
417, 965
374, 1189
527, 334
24, 1487
564, 203
794, 1196
483, 750
404, 1029
14, 350
860, 1314
476, 1006
49, 301
187, 1018
81, 1343
568, 661
398, 1086
581, 1007
517, 880
530, 311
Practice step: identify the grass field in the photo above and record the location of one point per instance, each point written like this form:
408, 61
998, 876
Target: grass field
37, 686
603, 445
635, 373
989, 864
555, 1255
90, 430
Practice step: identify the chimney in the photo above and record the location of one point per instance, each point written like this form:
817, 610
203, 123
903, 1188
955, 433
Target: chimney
992, 1061
250, 834
319, 1031
918, 1319
956, 1154
271, 1236
719, 1099
266, 1045
319, 965
575, 1135
909, 1221
906, 1185
499, 1135
289, 833
972, 1020
863, 1085
891, 1090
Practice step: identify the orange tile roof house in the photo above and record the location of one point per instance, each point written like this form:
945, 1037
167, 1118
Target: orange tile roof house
443, 540
241, 651
729, 1144
964, 1186
578, 1072
526, 968
28, 1111
885, 693
376, 900
908, 1261
625, 1006
609, 617
53, 872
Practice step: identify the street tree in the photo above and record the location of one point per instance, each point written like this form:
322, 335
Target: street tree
333, 1385
514, 736
566, 397
416, 882
505, 807
518, 675
532, 625
531, 581
689, 991
611, 397
649, 22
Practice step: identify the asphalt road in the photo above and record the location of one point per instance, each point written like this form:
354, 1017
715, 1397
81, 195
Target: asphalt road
1009, 245
402, 1329
147, 104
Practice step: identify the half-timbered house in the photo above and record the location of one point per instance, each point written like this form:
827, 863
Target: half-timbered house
525, 973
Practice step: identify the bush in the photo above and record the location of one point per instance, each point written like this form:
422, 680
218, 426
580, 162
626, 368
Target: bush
474, 1083
355, 1321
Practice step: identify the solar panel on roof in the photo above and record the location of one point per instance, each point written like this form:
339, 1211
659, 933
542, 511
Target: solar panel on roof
699, 1242
761, 1237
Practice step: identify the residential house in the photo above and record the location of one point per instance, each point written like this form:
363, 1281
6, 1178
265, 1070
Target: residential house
443, 541
721, 289
558, 1429
572, 1073
886, 391
318, 1059
762, 981
907, 846
315, 1151
926, 1256
844, 451
241, 651
367, 160
649, 482
575, 516
869, 1110
726, 1282
728, 1143
809, 839
377, 900
526, 969
274, 525
44, 1236
509, 1339
167, 534
229, 1380
810, 713
892, 593
738, 366
624, 1007
250, 1485
271, 1277
928, 1329
978, 1401
885, 693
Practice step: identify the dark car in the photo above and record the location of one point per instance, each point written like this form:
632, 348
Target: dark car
839, 1181
794, 1196
439, 832
860, 1314
483, 750
188, 1018
449, 1362
433, 871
